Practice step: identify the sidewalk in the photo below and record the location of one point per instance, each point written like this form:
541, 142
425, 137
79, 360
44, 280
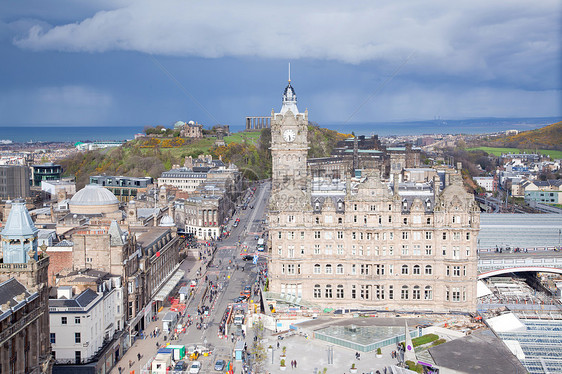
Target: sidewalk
147, 346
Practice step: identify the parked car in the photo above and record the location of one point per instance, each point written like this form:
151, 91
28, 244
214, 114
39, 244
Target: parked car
219, 365
195, 367
180, 367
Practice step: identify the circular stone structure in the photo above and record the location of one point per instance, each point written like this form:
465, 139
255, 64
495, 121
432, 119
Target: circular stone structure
93, 199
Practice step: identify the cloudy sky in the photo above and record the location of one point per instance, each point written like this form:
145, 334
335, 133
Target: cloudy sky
120, 62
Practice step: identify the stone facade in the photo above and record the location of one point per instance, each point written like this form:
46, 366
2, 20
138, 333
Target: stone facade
360, 241
24, 317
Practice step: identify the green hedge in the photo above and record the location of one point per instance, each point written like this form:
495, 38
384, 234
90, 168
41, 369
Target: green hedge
424, 339
415, 367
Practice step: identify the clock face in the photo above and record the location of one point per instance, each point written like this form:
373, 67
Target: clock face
289, 135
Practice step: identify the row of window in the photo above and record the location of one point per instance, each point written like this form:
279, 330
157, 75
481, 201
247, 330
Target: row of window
373, 269
365, 219
64, 320
406, 235
378, 292
77, 338
406, 250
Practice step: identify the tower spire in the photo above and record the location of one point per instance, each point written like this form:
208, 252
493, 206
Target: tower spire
289, 72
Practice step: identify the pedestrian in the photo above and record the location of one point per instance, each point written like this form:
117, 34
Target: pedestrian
295, 364
138, 356
277, 344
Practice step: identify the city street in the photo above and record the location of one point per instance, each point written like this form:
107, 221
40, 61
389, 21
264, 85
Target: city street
229, 273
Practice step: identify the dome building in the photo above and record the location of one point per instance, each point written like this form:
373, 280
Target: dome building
94, 199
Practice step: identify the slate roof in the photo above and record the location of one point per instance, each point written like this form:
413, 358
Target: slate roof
9, 290
83, 300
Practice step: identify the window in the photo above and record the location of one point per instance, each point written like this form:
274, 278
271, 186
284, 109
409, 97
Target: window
291, 269
428, 270
405, 220
456, 271
456, 295
328, 235
428, 293
416, 270
429, 221
291, 251
353, 235
340, 220
328, 293
340, 249
317, 220
317, 268
77, 357
63, 320
404, 269
364, 269
428, 249
339, 269
354, 219
404, 249
291, 235
467, 236
279, 250
404, 293
339, 291
302, 234
316, 234
353, 269
417, 249
448, 271
389, 219
416, 293
317, 291
444, 249
405, 235
290, 219
328, 249
391, 292
416, 235
316, 249
456, 236
353, 291
328, 269
428, 235
444, 236
354, 206
53, 338
340, 234
77, 320
365, 292
417, 219
280, 235
379, 292
77, 338
302, 249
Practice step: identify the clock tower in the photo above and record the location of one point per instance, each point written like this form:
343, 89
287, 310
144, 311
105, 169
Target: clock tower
289, 145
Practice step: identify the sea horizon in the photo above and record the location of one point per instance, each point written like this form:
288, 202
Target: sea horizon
72, 134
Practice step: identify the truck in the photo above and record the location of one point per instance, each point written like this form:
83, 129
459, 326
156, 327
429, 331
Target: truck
261, 244
169, 321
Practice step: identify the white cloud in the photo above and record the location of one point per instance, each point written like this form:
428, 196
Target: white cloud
448, 37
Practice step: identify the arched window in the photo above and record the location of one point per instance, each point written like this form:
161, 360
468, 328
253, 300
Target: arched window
317, 291
428, 294
416, 293
339, 291
405, 269
404, 293
428, 270
317, 269
339, 269
328, 269
416, 270
328, 293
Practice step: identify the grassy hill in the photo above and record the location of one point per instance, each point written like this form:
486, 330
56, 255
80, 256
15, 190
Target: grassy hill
548, 137
152, 156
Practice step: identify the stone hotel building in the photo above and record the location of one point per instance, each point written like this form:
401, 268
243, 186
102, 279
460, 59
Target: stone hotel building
358, 241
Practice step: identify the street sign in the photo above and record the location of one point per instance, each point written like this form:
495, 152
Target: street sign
255, 260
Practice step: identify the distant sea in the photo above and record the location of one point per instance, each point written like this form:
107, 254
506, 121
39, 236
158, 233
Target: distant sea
68, 134
24, 134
